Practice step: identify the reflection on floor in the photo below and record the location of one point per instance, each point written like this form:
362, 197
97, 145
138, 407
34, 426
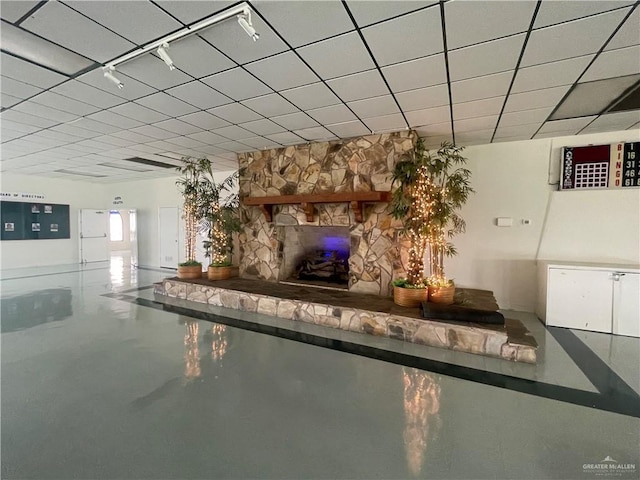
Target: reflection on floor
121, 388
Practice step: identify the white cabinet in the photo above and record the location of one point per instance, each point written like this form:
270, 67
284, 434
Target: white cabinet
600, 298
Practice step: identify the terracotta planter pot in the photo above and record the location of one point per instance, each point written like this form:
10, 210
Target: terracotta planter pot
409, 297
219, 273
190, 272
442, 295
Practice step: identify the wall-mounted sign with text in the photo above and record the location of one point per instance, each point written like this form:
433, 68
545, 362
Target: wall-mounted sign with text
117, 201
20, 196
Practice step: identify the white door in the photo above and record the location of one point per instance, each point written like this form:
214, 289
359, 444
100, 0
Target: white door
94, 242
133, 236
626, 304
581, 299
169, 229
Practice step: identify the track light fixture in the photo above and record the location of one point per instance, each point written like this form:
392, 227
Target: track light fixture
162, 51
108, 73
244, 19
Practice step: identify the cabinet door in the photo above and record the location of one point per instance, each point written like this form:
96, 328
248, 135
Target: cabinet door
581, 299
626, 304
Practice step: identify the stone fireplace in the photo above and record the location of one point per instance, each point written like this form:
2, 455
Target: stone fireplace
363, 164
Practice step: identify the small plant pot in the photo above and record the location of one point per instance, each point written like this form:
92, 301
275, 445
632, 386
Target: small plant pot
409, 297
190, 272
219, 273
442, 295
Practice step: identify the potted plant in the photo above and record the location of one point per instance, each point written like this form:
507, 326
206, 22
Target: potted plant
431, 189
189, 186
221, 217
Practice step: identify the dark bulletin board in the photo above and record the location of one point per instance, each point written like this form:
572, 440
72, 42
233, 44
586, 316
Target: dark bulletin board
34, 221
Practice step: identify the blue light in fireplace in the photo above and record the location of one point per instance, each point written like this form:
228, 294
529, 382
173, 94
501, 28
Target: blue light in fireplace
336, 244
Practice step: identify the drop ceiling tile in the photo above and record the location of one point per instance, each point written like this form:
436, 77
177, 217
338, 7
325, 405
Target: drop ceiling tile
301, 23
423, 98
12, 11
132, 90
270, 71
614, 63
152, 71
270, 105
237, 84
429, 116
114, 119
204, 120
525, 117
8, 134
311, 96
478, 137
573, 39
295, 121
27, 119
154, 132
184, 142
554, 74
146, 148
64, 137
414, 74
231, 39
191, 11
435, 134
315, 134
263, 127
628, 33
421, 36
614, 121
551, 13
60, 24
478, 108
349, 129
178, 127
481, 87
197, 58
333, 114
43, 111
235, 113
91, 124
138, 112
211, 150
18, 89
386, 123
235, 147
260, 143
163, 103
208, 138
139, 22
132, 137
321, 56
77, 131
285, 138
374, 107
478, 123
233, 132
359, 86
514, 17
548, 97
119, 142
18, 127
65, 104
18, 69
366, 13
88, 94
569, 125
198, 94
478, 60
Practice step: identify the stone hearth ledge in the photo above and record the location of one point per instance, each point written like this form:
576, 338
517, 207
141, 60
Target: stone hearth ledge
474, 339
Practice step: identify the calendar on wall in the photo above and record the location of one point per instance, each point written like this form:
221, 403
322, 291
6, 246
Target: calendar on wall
600, 166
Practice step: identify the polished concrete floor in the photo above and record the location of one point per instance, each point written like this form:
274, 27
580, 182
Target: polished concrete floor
100, 380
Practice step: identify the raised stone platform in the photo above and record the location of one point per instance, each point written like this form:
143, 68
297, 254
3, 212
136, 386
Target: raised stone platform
362, 313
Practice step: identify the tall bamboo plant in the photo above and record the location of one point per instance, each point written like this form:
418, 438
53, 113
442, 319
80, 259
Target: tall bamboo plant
189, 186
431, 190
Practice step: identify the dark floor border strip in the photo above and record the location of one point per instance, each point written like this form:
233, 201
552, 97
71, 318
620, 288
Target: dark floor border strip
592, 366
136, 289
54, 273
611, 402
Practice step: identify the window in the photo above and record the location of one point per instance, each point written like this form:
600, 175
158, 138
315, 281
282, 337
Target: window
115, 227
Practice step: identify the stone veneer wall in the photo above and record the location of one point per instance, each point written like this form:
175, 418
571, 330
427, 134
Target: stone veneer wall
357, 165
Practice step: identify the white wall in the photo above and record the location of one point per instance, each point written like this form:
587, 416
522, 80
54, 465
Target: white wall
34, 253
515, 180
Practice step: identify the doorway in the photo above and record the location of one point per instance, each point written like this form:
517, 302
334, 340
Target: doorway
122, 241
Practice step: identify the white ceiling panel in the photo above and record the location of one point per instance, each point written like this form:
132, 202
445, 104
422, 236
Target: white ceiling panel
197, 58
525, 117
349, 129
260, 142
293, 121
68, 28
263, 127
613, 121
208, 138
554, 74
332, 114
138, 112
90, 124
301, 23
367, 12
628, 34
152, 71
311, 96
285, 138
17, 127
521, 132
270, 71
515, 17
429, 116
15, 68
547, 97
270, 105
234, 132
561, 126
154, 132
164, 103
421, 36
352, 59
235, 146
178, 127
553, 12
477, 137
414, 74
315, 134
64, 103
235, 113
114, 119
614, 63
133, 88
190, 11
424, 98
88, 94
477, 123
185, 142
385, 123
211, 150
123, 17
43, 111
57, 136
358, 86
478, 108
14, 10
481, 87
131, 137
204, 120
116, 141
77, 131
482, 59
27, 119
198, 94
237, 84
18, 89
374, 107
569, 40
